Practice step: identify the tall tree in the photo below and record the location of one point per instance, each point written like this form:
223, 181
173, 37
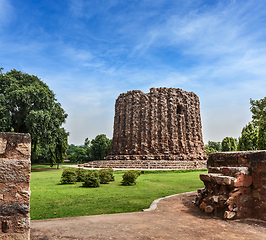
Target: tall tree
29, 106
209, 149
58, 148
79, 155
228, 144
249, 138
215, 145
100, 147
258, 110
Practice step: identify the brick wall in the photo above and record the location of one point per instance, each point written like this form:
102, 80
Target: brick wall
15, 166
235, 186
164, 124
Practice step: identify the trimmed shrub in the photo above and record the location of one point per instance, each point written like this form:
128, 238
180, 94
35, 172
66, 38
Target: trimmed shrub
106, 175
111, 172
91, 179
68, 176
129, 178
80, 172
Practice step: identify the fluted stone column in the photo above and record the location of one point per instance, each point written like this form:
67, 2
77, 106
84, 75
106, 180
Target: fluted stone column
164, 124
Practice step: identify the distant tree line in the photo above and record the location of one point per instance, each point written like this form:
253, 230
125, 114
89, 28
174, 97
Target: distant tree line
95, 149
253, 135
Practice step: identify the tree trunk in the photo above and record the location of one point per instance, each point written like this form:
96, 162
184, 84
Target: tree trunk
33, 154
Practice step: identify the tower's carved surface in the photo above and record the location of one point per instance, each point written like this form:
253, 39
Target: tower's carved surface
164, 124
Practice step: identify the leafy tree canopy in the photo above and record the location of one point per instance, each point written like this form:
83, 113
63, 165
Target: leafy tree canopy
258, 110
27, 105
215, 145
209, 149
100, 147
249, 138
228, 144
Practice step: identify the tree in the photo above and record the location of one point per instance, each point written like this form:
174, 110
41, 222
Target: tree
209, 149
58, 148
71, 149
258, 110
28, 106
215, 145
228, 144
249, 138
100, 147
79, 155
87, 142
262, 138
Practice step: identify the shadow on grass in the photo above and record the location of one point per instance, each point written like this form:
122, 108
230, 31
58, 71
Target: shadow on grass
43, 169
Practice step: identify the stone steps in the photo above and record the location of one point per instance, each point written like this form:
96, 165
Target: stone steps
145, 164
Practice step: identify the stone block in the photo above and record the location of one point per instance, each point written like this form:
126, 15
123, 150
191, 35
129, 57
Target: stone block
229, 215
15, 186
14, 170
243, 180
3, 143
15, 146
209, 209
205, 177
256, 194
224, 180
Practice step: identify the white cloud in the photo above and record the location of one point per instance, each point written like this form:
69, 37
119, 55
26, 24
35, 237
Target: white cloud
78, 54
87, 9
6, 12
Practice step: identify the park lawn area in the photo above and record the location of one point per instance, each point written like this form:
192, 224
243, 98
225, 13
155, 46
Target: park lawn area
50, 199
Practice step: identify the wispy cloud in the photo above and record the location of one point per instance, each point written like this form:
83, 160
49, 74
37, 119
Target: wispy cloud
90, 51
6, 12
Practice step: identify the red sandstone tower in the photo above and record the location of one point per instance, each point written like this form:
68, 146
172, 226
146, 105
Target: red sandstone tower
164, 124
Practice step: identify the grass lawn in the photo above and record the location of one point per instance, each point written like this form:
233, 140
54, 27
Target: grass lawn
48, 196
47, 165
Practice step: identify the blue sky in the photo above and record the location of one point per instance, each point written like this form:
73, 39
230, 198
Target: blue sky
90, 51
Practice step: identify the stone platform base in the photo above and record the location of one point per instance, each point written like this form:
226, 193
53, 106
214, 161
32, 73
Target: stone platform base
146, 164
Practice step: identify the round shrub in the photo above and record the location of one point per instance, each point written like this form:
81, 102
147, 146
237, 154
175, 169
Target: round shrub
80, 173
106, 175
111, 172
91, 179
129, 178
68, 176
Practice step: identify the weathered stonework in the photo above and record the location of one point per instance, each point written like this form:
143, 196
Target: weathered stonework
15, 168
145, 164
235, 186
164, 124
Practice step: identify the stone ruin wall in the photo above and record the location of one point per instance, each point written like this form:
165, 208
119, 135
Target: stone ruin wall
235, 186
164, 124
15, 167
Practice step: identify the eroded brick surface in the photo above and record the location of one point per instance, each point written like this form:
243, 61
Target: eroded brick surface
15, 186
162, 125
237, 182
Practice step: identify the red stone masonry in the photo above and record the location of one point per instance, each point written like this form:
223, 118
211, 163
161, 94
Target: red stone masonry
164, 124
158, 130
235, 186
15, 166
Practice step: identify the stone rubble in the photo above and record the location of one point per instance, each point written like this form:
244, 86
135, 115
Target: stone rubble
235, 186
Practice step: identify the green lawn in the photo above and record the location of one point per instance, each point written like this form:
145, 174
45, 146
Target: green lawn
49, 196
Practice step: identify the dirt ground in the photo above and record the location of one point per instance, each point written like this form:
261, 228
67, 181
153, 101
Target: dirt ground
174, 218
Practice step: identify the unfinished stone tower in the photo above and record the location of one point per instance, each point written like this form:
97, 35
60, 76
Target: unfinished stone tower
164, 124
